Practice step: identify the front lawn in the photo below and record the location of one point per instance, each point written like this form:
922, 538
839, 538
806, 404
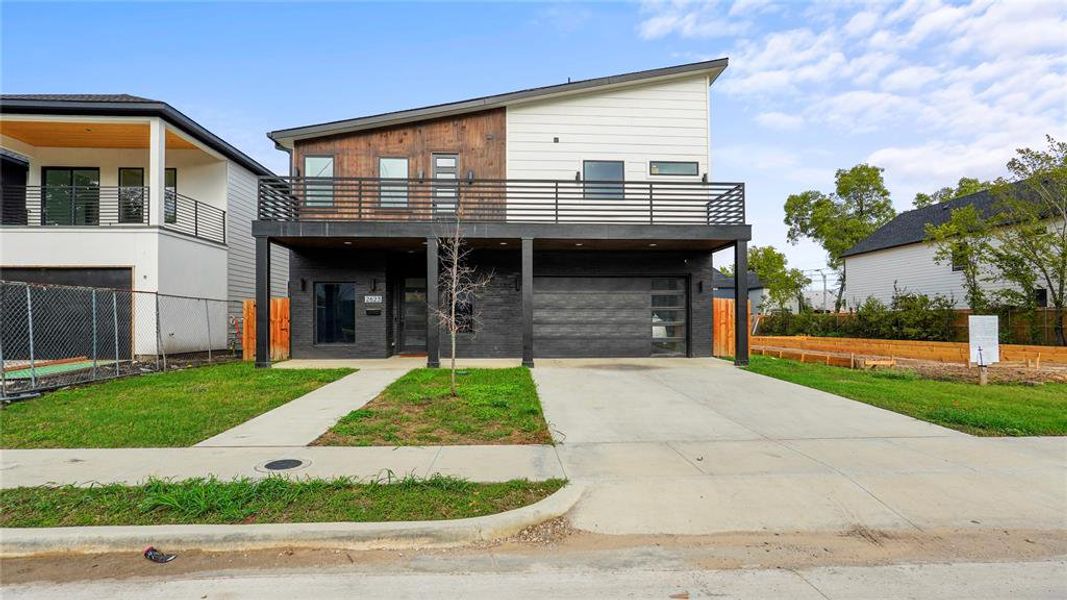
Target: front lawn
271, 500
992, 410
176, 408
494, 406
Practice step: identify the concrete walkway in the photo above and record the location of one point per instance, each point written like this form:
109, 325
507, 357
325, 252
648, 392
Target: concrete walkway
303, 420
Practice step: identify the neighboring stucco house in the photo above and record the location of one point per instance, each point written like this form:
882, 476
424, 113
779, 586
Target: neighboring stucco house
123, 192
589, 202
897, 254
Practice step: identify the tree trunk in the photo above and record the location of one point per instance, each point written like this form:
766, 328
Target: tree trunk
840, 294
1061, 339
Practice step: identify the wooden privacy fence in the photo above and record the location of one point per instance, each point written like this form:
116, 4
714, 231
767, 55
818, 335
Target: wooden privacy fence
279, 329
722, 326
947, 352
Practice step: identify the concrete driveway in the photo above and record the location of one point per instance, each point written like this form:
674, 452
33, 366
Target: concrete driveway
699, 446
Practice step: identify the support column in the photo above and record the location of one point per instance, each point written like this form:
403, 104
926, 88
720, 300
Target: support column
433, 328
262, 302
527, 302
157, 164
741, 303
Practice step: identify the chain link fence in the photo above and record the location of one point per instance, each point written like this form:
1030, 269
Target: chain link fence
53, 336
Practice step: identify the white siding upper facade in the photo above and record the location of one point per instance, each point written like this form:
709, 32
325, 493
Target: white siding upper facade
242, 190
657, 121
911, 268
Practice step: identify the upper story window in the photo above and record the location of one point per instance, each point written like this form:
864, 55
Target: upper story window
673, 167
318, 193
959, 257
71, 196
598, 175
394, 194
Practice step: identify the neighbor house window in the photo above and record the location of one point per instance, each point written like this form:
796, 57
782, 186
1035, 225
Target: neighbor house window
599, 175
318, 188
170, 195
71, 196
1041, 297
335, 313
131, 195
959, 257
394, 194
673, 167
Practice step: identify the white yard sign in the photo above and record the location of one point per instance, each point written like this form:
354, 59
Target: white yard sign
983, 331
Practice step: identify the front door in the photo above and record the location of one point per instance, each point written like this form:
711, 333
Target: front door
445, 182
413, 315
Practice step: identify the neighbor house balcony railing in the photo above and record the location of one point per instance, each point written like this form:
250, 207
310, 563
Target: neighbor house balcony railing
107, 206
511, 200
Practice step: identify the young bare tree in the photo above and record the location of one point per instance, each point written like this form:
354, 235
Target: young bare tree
460, 283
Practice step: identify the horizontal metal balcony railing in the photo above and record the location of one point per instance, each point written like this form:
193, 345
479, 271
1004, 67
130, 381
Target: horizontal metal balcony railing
510, 201
107, 206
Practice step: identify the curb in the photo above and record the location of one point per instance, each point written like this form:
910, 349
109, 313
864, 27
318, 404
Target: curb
28, 541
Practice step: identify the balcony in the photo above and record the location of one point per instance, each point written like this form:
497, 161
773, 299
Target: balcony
105, 207
309, 199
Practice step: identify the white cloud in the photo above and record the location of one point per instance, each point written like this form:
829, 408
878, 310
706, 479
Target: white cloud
780, 121
930, 90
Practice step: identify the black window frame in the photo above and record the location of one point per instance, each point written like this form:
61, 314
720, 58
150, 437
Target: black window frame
316, 328
695, 173
45, 192
604, 189
958, 262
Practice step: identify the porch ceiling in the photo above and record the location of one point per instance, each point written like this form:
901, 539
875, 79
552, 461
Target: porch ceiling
58, 134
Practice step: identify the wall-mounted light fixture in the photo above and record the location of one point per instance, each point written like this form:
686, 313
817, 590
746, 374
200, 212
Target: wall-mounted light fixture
518, 283
700, 286
374, 285
303, 284
470, 176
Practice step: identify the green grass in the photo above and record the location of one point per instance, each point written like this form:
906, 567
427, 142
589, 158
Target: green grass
176, 408
271, 500
494, 406
992, 410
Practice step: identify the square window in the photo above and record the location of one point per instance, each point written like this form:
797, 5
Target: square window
598, 176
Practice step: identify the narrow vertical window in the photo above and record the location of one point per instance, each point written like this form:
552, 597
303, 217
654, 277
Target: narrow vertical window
318, 173
170, 195
393, 173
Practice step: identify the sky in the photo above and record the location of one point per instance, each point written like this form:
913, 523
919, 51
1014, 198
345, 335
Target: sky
931, 91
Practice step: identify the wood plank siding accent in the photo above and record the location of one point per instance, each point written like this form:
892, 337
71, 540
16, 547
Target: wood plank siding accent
478, 138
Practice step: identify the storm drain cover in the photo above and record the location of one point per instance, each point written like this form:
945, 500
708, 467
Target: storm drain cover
283, 464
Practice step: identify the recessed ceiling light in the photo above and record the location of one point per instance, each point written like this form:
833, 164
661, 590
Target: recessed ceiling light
348, 243
651, 245
577, 243
503, 243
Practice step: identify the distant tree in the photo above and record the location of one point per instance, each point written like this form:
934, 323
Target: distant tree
963, 242
965, 187
859, 205
1030, 228
782, 283
1024, 241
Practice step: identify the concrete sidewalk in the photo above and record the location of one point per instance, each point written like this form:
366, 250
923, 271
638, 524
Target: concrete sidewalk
125, 465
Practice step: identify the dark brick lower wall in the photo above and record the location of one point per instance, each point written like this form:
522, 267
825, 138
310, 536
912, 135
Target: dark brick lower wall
499, 331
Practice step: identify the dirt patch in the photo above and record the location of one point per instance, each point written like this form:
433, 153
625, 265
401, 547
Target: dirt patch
555, 543
999, 373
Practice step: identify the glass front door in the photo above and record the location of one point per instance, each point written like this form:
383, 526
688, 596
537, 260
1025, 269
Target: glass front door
413, 315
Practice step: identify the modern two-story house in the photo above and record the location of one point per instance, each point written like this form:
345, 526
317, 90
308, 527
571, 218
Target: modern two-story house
589, 203
123, 192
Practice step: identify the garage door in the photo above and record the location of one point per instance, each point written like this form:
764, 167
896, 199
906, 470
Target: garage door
609, 316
